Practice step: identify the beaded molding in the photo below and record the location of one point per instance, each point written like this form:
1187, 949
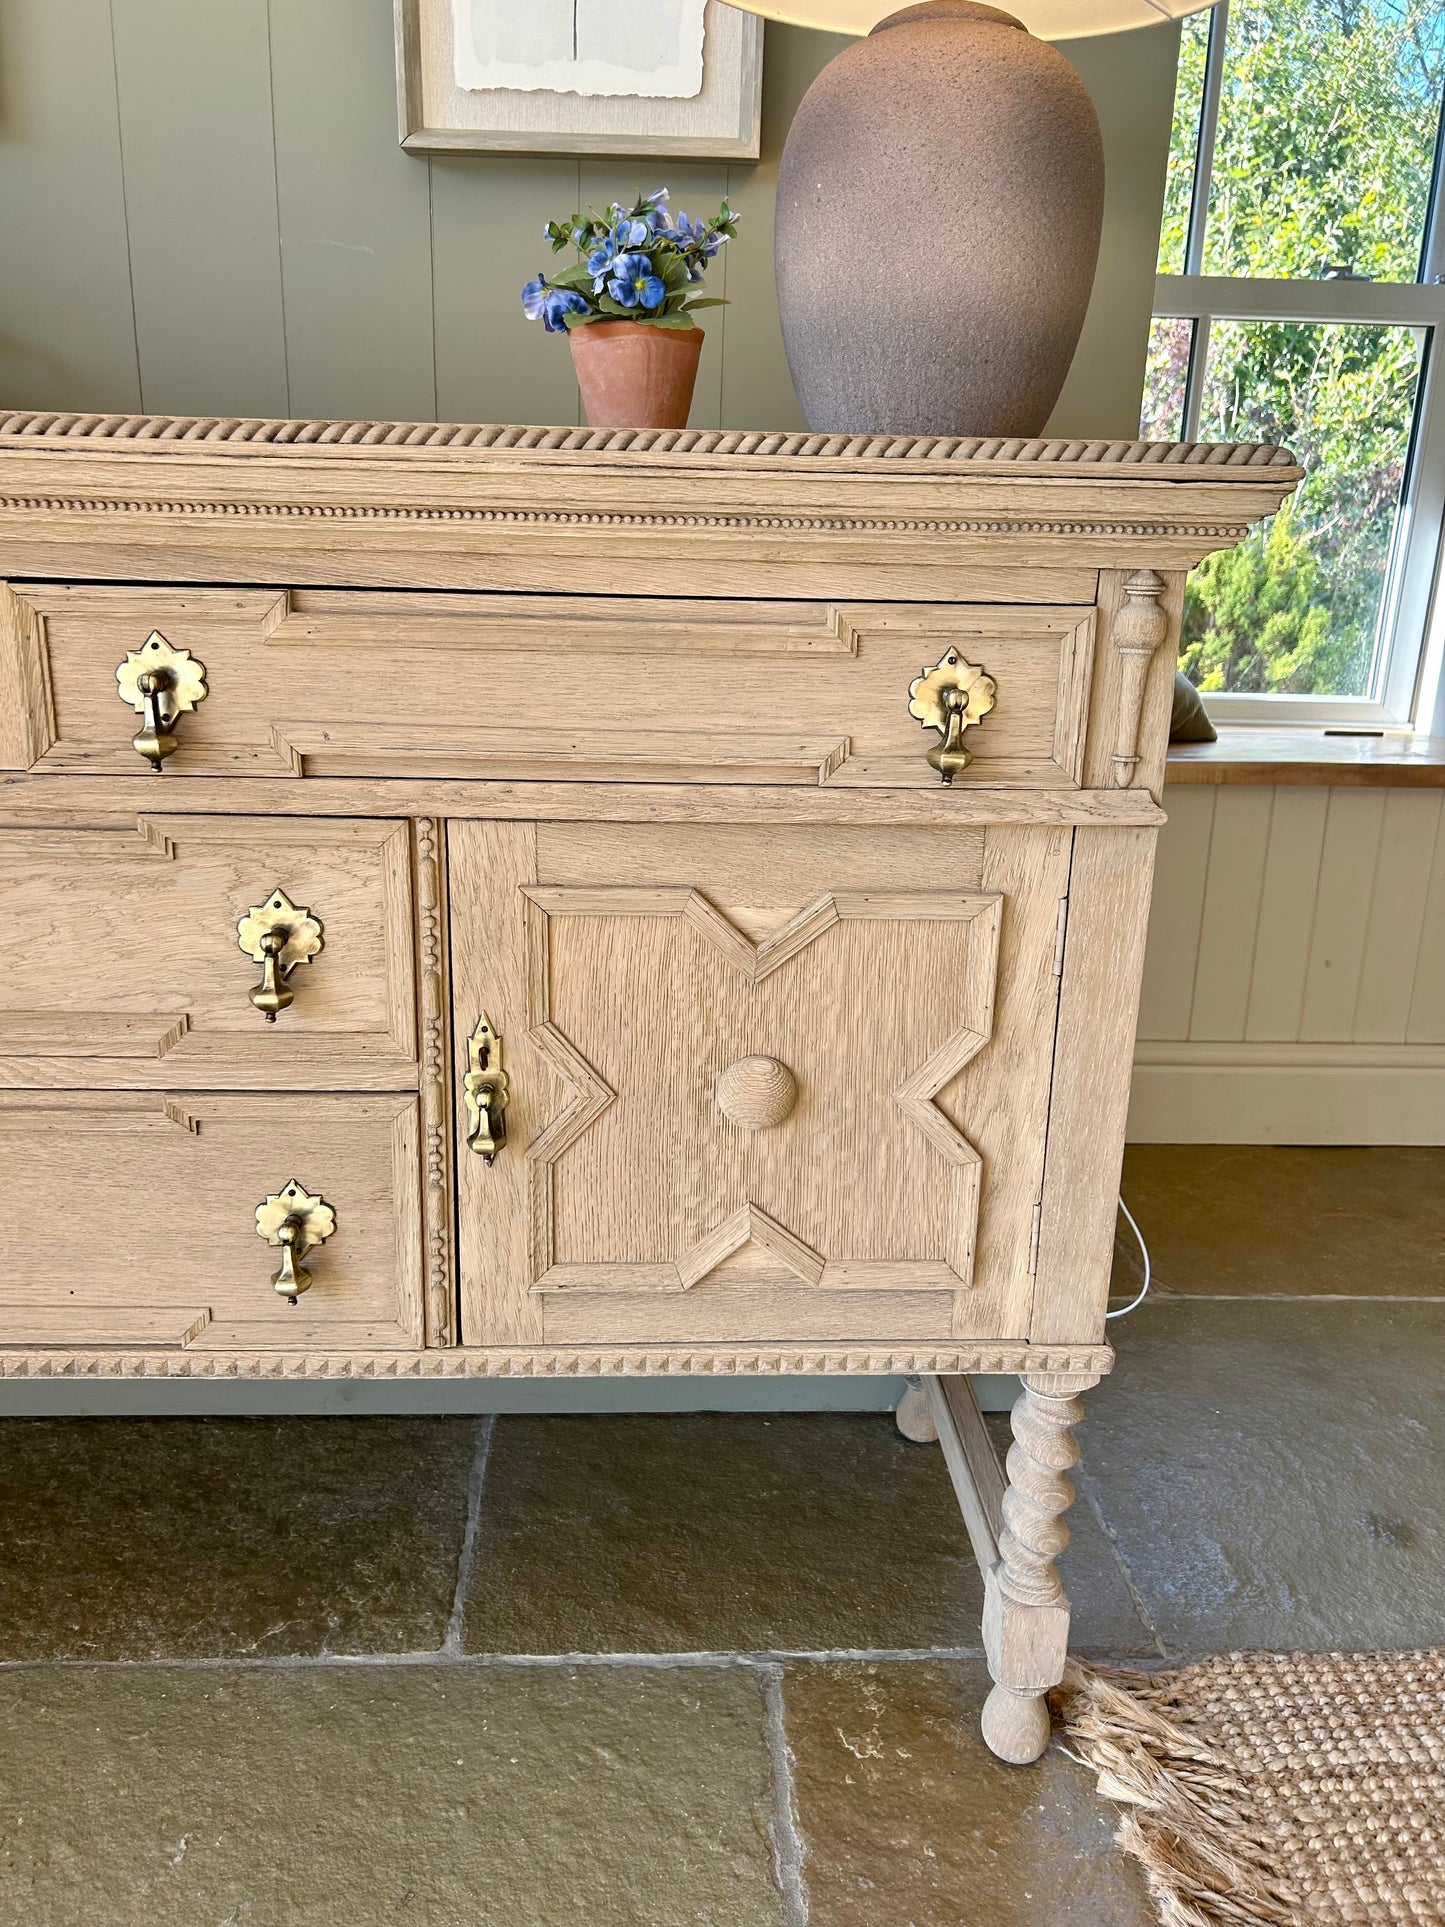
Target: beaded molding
166, 430
368, 512
1072, 1360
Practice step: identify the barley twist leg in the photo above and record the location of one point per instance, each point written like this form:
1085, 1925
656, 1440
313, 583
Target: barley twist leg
1026, 1612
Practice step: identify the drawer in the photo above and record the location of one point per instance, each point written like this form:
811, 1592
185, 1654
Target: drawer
122, 967
370, 683
764, 1084
132, 1221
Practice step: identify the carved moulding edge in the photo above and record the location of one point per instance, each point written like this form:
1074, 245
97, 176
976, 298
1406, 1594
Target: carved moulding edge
588, 518
554, 1362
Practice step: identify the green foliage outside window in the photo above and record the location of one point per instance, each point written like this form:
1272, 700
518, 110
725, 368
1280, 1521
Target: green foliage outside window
1183, 139
1341, 396
1322, 166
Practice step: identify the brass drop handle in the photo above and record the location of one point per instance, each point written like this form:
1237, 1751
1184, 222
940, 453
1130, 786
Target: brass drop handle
485, 1091
951, 697
153, 740
297, 1223
273, 993
160, 682
278, 935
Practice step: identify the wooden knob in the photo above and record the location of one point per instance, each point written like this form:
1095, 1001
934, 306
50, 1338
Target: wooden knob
756, 1093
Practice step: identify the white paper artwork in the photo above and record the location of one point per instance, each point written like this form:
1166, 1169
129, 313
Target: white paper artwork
640, 47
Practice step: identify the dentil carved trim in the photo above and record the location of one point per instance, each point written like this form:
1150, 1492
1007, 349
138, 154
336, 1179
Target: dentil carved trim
611, 1362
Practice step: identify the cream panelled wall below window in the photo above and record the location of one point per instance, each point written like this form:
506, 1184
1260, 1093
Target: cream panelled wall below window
1295, 985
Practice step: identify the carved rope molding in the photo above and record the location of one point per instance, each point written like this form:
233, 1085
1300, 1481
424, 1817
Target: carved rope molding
745, 1361
1139, 627
165, 430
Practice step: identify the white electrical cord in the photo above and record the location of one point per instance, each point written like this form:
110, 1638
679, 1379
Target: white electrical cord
1124, 1310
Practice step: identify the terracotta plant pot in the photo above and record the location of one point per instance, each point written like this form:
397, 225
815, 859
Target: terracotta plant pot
634, 376
939, 205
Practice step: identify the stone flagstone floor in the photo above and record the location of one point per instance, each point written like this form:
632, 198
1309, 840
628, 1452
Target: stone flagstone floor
655, 1671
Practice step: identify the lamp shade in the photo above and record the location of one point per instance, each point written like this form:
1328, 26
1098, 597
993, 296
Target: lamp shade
1049, 19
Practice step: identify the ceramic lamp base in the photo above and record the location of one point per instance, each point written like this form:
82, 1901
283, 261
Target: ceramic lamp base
635, 376
939, 209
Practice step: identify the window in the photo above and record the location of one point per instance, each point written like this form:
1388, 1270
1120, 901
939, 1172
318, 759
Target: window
1300, 299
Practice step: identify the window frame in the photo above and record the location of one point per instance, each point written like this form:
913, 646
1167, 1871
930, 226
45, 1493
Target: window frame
1407, 666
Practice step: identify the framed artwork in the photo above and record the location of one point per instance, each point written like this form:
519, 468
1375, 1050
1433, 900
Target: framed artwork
681, 78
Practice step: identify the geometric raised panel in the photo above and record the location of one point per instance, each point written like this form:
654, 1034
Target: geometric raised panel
875, 1001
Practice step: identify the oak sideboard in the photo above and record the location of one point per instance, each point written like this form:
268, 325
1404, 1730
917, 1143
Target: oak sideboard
550, 901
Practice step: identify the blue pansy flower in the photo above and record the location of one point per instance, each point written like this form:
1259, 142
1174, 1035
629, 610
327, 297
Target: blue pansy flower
633, 283
550, 305
628, 233
560, 303
599, 263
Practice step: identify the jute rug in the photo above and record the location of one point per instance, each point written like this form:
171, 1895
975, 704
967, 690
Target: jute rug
1266, 1790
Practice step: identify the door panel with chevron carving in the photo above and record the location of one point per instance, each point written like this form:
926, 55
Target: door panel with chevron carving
765, 1085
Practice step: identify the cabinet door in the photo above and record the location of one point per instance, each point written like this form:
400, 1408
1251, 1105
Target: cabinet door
766, 1084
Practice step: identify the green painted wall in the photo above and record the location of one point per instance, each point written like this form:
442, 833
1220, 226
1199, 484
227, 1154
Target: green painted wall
203, 210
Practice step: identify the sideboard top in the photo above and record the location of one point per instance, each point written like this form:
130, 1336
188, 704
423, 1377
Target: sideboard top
713, 448
443, 506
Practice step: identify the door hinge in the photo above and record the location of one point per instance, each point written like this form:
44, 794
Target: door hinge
1034, 1237
1059, 935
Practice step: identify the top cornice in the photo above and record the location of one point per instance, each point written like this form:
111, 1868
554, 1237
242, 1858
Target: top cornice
162, 434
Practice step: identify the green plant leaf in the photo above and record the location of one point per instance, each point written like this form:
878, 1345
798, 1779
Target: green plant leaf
678, 319
576, 320
707, 301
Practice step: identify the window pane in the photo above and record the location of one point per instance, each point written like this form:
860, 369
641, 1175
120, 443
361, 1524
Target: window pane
1166, 374
1326, 138
1183, 142
1295, 608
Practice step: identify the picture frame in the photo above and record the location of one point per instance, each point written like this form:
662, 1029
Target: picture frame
437, 116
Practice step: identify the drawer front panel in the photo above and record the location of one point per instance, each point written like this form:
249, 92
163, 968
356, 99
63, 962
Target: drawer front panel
369, 683
763, 1085
133, 1221
122, 967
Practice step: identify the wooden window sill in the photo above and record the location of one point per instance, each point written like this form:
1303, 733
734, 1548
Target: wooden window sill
1296, 755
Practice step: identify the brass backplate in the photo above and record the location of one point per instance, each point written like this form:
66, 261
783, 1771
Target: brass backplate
180, 678
304, 934
313, 1217
930, 694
